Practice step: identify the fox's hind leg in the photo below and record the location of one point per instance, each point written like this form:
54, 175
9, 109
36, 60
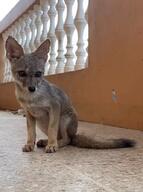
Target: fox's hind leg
63, 139
68, 128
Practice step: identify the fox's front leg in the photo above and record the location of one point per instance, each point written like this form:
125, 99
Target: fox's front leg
31, 133
54, 116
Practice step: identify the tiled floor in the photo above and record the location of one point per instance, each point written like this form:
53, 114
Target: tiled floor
70, 169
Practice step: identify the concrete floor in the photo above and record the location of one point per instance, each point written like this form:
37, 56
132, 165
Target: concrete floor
70, 169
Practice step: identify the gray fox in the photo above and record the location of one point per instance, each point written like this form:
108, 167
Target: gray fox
46, 105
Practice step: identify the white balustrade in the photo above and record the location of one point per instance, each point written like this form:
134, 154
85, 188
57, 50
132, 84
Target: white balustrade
45, 22
18, 36
28, 33
5, 36
7, 71
11, 31
80, 23
14, 31
65, 23
86, 36
60, 33
38, 24
44, 18
33, 30
52, 36
69, 29
22, 32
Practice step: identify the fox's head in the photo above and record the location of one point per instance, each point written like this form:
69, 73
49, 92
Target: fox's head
27, 69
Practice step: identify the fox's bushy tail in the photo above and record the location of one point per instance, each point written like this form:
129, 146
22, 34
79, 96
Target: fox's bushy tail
86, 142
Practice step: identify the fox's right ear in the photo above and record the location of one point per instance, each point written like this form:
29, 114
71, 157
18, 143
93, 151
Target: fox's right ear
13, 49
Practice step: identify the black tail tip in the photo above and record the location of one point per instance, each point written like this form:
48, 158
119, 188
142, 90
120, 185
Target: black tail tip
125, 143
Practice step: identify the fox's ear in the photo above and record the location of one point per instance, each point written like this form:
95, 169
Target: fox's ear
42, 51
13, 49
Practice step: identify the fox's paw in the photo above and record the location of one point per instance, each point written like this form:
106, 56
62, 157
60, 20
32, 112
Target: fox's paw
42, 143
28, 148
51, 148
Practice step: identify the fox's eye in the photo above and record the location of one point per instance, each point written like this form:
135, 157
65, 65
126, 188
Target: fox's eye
38, 74
22, 73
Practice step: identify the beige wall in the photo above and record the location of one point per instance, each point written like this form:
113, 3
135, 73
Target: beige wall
115, 62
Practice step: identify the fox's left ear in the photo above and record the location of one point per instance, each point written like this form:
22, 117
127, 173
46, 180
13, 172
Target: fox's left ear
42, 50
13, 49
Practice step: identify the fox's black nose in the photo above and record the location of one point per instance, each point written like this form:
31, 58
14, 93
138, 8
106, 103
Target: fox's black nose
31, 89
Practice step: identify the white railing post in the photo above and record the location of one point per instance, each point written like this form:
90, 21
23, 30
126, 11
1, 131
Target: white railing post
51, 34
44, 18
33, 30
69, 29
80, 23
7, 70
23, 36
28, 33
86, 17
60, 33
38, 24
14, 31
18, 36
5, 36
45, 22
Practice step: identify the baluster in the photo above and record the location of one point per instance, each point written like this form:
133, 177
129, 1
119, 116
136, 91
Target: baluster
14, 30
38, 24
80, 23
60, 36
24, 38
5, 36
22, 32
33, 30
10, 31
69, 29
18, 36
9, 74
7, 71
44, 18
51, 34
86, 11
86, 17
28, 33
14, 35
